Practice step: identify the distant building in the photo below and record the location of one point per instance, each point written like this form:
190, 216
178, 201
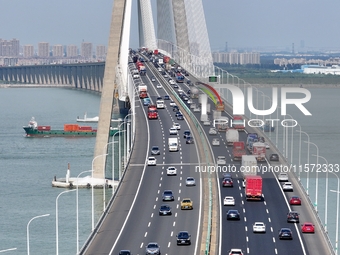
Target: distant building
235, 58
101, 51
72, 51
57, 50
28, 51
9, 48
43, 50
86, 50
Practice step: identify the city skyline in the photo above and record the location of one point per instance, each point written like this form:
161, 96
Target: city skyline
255, 25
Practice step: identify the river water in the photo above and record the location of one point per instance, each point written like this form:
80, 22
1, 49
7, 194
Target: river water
28, 165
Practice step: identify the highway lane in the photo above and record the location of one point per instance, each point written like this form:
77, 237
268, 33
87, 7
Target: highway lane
144, 224
250, 212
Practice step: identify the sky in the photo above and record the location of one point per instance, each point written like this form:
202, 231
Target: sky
255, 24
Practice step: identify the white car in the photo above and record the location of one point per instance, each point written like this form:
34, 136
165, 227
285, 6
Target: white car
152, 161
215, 142
159, 86
283, 177
259, 227
228, 200
287, 186
177, 126
235, 252
244, 183
206, 123
267, 145
153, 79
221, 160
173, 131
212, 131
172, 82
190, 181
171, 170
172, 103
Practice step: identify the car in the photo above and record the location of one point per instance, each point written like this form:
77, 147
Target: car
220, 160
173, 131
282, 177
172, 82
175, 109
177, 126
178, 113
146, 101
153, 79
285, 233
168, 195
172, 103
165, 210
190, 181
166, 97
159, 86
295, 200
185, 98
186, 133
155, 150
152, 248
206, 123
175, 86
274, 157
308, 227
227, 182
180, 117
160, 69
233, 215
152, 161
188, 82
287, 186
228, 200
227, 175
189, 92
189, 140
267, 145
171, 170
215, 142
235, 252
244, 183
293, 217
159, 98
259, 227
189, 101
183, 237
186, 204
212, 131
125, 252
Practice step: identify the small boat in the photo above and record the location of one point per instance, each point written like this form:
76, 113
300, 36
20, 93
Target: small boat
70, 130
94, 119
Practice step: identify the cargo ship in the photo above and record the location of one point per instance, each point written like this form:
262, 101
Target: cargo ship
70, 130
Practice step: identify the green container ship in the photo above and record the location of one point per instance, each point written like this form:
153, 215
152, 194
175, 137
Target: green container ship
70, 130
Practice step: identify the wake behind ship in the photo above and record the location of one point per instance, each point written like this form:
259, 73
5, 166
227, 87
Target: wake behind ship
70, 130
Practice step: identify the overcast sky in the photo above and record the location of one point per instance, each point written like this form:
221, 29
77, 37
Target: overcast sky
241, 23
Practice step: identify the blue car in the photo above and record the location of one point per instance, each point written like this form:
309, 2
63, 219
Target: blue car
146, 101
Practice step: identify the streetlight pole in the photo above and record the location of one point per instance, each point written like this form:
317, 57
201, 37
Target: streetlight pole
307, 185
28, 232
125, 138
113, 159
317, 178
78, 208
92, 184
337, 214
10, 249
56, 219
326, 198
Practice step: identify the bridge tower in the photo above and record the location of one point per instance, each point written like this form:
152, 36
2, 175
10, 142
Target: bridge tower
147, 36
115, 78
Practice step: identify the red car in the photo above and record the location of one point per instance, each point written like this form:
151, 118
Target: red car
295, 200
307, 227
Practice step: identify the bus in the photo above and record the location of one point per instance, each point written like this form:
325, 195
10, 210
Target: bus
179, 77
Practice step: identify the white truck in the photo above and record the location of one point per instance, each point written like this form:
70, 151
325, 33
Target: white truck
173, 144
259, 151
232, 136
248, 167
